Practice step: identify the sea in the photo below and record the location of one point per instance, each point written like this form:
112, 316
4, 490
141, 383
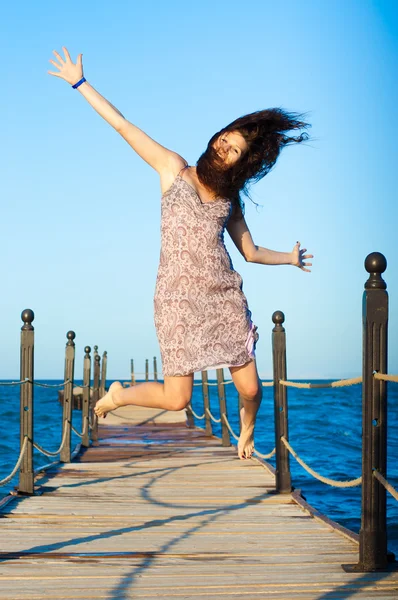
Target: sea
324, 429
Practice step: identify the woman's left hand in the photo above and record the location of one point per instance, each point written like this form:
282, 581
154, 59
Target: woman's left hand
298, 258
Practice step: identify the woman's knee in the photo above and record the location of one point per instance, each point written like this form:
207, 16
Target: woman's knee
251, 390
178, 394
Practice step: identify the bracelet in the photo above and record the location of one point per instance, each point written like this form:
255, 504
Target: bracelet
79, 83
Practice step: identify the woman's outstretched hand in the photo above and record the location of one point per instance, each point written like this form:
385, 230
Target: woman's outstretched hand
71, 72
298, 258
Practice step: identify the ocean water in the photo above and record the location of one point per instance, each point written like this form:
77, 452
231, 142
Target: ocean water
324, 429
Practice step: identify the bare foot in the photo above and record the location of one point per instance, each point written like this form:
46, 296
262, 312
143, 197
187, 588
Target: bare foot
107, 402
246, 438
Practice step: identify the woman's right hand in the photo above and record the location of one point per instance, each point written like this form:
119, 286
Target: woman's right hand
72, 73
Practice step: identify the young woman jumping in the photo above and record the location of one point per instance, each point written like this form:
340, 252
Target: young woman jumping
201, 314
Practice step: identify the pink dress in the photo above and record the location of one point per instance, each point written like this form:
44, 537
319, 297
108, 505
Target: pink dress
201, 314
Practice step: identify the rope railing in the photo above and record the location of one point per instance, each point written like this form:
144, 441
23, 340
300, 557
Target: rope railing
333, 384
385, 377
199, 417
17, 464
5, 383
83, 433
59, 450
50, 385
327, 480
386, 484
212, 417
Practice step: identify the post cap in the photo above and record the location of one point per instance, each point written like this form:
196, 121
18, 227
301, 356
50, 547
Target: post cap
278, 317
97, 358
71, 335
27, 317
375, 262
87, 349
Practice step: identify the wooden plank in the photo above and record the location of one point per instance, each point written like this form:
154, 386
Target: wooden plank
160, 511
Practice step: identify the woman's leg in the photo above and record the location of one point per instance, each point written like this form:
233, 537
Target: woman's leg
173, 394
249, 386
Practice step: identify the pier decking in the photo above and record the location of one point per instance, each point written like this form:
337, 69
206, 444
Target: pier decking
158, 510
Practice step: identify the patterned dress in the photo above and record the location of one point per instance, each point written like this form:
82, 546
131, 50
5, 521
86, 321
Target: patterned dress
201, 314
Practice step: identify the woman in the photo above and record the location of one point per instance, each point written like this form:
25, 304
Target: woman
201, 314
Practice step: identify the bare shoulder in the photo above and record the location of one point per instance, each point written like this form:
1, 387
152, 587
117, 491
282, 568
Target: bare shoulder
168, 174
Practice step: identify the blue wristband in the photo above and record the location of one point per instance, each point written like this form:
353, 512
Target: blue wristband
79, 83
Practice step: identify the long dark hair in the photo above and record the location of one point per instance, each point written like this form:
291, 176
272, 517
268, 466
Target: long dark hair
264, 133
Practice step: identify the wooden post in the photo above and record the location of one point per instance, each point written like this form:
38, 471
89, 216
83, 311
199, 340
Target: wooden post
155, 369
373, 532
282, 475
26, 472
86, 416
103, 374
94, 431
132, 372
65, 455
226, 440
206, 403
146, 370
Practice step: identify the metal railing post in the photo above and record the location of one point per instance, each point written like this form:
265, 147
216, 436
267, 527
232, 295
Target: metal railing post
240, 406
132, 372
226, 440
65, 455
103, 374
95, 398
189, 415
155, 369
26, 472
282, 475
146, 369
86, 416
206, 403
373, 531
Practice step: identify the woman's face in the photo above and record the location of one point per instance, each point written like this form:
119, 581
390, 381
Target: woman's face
230, 146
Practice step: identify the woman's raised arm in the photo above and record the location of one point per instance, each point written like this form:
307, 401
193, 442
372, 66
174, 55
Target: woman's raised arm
156, 155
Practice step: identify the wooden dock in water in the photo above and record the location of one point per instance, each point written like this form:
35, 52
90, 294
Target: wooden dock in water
158, 510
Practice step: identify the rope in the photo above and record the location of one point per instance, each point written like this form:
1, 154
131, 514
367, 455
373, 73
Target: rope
208, 383
211, 417
200, 417
267, 383
18, 463
333, 384
77, 385
48, 385
387, 485
46, 452
270, 455
333, 482
83, 433
13, 382
385, 377
224, 417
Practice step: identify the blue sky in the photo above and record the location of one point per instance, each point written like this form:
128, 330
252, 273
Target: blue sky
81, 212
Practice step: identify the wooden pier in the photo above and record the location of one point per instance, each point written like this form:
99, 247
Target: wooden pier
159, 510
